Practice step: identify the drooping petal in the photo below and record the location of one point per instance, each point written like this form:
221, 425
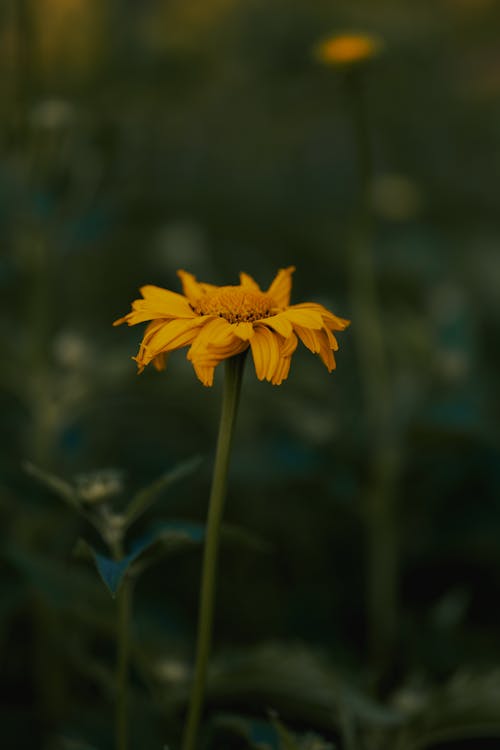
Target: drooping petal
281, 287
282, 371
217, 332
205, 374
288, 346
151, 329
325, 351
247, 282
265, 351
309, 338
160, 361
280, 324
331, 339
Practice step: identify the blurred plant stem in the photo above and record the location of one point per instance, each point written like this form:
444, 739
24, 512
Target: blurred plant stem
382, 552
232, 386
24, 63
123, 619
124, 608
44, 416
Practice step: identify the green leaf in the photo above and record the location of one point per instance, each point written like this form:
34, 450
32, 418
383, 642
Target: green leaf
62, 488
295, 681
148, 495
171, 535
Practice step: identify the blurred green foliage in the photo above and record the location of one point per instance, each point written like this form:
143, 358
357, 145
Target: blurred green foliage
139, 138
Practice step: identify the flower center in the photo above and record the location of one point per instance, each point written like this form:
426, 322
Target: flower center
235, 304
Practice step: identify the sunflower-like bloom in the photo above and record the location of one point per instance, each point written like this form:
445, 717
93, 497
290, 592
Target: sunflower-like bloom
347, 49
218, 322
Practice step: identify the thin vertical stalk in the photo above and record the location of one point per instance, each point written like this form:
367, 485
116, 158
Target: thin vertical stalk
382, 553
123, 602
232, 385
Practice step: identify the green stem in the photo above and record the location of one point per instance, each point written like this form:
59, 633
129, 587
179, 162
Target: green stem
382, 549
232, 385
123, 602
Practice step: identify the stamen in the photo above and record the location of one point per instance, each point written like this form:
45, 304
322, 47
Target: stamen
235, 304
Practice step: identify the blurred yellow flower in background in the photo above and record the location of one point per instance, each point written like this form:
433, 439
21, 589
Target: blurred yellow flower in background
347, 49
218, 322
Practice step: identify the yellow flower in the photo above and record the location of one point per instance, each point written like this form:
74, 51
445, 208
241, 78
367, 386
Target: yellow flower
218, 322
347, 49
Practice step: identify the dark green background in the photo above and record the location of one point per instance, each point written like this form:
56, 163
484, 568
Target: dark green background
139, 138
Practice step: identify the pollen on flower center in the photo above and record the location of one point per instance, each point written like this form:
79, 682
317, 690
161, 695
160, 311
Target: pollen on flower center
235, 304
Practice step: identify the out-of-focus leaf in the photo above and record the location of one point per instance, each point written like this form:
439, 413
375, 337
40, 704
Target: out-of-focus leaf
295, 681
464, 710
150, 494
62, 488
171, 535
58, 584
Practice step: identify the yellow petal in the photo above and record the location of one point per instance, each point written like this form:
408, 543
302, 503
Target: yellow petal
331, 320
157, 303
217, 331
282, 371
166, 302
331, 339
192, 288
205, 374
280, 323
160, 361
247, 282
125, 319
305, 318
265, 352
244, 331
173, 334
281, 287
309, 338
288, 346
325, 352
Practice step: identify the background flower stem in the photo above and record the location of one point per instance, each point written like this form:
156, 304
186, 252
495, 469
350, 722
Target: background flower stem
123, 602
385, 454
232, 385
